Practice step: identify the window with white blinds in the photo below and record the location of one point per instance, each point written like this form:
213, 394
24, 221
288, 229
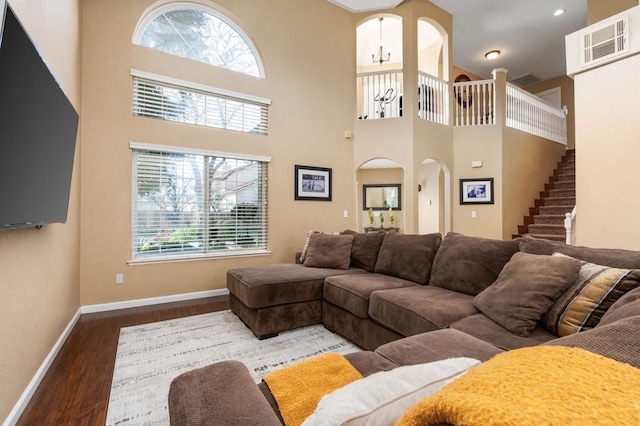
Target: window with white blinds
192, 204
201, 105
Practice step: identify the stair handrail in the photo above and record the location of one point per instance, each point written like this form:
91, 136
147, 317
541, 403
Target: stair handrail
569, 222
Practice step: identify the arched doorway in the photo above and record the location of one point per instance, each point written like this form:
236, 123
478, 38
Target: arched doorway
434, 197
383, 173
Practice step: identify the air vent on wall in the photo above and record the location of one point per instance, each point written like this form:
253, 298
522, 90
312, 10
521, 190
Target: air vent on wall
605, 42
609, 40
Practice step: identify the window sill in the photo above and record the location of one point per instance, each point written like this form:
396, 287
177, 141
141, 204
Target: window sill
196, 257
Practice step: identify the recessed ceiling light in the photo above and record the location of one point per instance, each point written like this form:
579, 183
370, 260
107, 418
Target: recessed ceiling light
492, 55
559, 12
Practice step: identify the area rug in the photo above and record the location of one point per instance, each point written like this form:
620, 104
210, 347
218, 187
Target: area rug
150, 355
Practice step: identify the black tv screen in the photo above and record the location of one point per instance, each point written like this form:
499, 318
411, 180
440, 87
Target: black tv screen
38, 128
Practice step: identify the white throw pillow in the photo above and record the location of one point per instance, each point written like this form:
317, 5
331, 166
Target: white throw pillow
383, 397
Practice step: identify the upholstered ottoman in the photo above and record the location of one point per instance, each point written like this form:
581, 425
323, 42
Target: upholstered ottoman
274, 298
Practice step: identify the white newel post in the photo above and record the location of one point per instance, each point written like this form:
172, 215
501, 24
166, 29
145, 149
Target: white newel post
568, 226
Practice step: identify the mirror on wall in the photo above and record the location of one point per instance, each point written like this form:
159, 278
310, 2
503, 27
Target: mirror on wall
381, 196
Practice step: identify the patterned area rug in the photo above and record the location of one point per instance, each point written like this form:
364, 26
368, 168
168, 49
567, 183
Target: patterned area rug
149, 356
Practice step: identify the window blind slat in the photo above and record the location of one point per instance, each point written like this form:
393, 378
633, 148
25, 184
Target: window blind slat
174, 103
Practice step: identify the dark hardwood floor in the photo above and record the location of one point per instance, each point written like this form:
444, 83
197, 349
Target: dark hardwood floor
75, 390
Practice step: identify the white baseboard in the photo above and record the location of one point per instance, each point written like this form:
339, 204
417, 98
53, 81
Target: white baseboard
17, 410
90, 309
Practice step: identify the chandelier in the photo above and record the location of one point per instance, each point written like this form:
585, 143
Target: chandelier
381, 56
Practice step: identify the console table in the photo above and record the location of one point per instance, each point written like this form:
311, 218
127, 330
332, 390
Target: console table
380, 228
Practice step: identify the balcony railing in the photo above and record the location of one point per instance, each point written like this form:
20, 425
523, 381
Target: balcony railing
474, 103
380, 95
531, 114
433, 99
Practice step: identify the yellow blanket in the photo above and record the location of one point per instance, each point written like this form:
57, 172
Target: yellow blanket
543, 385
298, 389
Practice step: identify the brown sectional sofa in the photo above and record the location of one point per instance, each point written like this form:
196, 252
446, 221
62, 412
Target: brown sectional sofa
423, 298
403, 285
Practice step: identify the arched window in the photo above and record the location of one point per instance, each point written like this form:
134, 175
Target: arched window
193, 31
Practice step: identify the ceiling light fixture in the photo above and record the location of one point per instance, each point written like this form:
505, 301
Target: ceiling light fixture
559, 12
381, 56
491, 55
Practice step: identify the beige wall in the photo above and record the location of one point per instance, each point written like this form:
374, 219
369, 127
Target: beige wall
39, 269
607, 152
457, 71
478, 144
520, 165
597, 10
310, 71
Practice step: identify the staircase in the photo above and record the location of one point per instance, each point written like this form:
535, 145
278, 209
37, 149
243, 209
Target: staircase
546, 219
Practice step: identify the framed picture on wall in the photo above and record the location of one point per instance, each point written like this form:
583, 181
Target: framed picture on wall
476, 191
312, 183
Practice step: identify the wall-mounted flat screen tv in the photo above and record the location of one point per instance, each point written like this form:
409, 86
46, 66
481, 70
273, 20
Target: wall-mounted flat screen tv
38, 129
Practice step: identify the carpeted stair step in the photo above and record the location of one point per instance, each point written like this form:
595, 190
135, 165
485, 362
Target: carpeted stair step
570, 184
560, 201
547, 229
549, 237
548, 219
567, 177
555, 210
567, 169
562, 193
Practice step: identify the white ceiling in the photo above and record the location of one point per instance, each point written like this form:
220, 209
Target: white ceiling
356, 6
530, 38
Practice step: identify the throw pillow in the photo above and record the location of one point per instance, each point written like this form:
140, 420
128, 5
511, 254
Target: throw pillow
383, 397
408, 256
525, 289
593, 292
364, 251
470, 264
303, 254
329, 251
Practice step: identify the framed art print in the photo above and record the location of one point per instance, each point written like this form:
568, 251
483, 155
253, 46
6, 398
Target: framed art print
312, 183
476, 191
